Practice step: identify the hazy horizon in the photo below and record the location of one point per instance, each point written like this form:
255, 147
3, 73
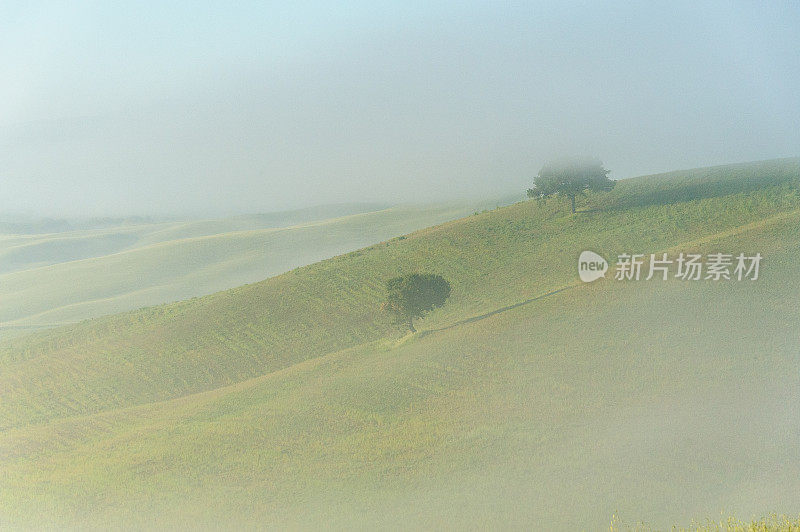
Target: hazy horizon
195, 107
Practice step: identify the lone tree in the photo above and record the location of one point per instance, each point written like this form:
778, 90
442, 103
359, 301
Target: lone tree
570, 178
411, 296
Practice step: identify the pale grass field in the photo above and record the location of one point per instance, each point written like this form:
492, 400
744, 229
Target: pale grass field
291, 403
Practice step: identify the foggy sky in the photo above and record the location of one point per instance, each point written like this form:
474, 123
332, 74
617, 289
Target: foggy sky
209, 108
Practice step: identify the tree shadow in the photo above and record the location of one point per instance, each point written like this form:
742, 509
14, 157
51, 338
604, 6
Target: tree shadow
689, 185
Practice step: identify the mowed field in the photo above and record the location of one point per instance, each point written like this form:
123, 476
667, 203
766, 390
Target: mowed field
56, 278
530, 400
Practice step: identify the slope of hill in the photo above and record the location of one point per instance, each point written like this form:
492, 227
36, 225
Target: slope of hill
528, 400
36, 243
52, 279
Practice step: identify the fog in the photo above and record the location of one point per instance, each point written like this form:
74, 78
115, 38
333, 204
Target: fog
207, 108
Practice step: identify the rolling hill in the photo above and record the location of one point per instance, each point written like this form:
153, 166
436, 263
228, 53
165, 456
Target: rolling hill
529, 400
58, 278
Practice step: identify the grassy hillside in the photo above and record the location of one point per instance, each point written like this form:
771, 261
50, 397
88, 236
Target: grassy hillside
494, 259
58, 278
528, 400
773, 523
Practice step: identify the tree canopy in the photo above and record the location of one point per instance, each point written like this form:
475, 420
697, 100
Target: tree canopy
413, 295
570, 178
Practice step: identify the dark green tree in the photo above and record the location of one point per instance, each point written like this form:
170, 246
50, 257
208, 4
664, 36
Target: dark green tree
570, 178
413, 295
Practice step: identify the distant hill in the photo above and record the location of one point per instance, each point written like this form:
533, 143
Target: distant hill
32, 225
58, 278
530, 400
